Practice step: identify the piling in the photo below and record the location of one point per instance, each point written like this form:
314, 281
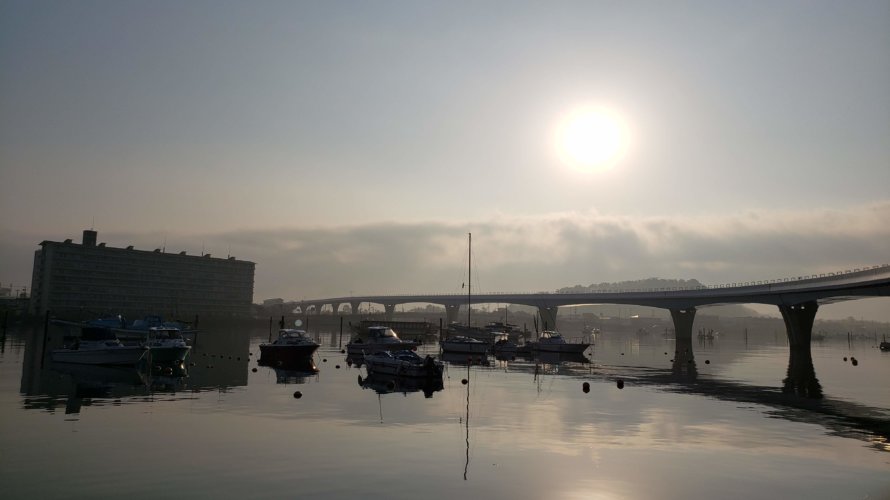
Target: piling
341, 333
270, 329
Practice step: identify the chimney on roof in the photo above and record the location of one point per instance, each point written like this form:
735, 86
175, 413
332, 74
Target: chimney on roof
89, 238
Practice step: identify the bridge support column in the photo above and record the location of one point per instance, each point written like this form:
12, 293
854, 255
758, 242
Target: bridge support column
683, 319
451, 311
548, 317
336, 308
389, 310
799, 323
355, 306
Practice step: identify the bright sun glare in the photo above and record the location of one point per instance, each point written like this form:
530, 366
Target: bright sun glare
591, 138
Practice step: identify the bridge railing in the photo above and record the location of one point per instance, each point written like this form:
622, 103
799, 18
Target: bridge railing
829, 276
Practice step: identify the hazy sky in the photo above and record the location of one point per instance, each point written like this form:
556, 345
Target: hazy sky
350, 146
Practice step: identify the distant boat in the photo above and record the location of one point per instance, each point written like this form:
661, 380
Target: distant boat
99, 346
885, 346
291, 346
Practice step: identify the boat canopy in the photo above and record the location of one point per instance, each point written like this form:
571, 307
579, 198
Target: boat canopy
96, 333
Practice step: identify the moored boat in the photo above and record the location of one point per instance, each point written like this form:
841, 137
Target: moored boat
403, 364
167, 345
378, 338
462, 344
99, 346
291, 346
553, 341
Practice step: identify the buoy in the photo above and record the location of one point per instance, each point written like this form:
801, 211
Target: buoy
707, 361
325, 360
845, 358
622, 354
854, 361
298, 395
342, 351
254, 370
585, 387
620, 384
464, 381
665, 353
672, 361
338, 367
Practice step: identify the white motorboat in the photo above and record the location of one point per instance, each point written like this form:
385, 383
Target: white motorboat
378, 338
99, 346
291, 346
463, 344
167, 345
552, 341
403, 364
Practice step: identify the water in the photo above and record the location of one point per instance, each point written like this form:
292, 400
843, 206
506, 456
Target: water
678, 429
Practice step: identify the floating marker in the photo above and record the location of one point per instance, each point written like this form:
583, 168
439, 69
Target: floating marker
325, 360
464, 381
620, 384
707, 361
254, 370
342, 351
854, 361
298, 395
845, 358
338, 367
585, 387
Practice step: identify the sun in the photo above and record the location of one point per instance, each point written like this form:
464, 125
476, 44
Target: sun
591, 138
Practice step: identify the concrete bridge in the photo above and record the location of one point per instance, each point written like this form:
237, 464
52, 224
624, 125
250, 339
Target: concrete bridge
797, 298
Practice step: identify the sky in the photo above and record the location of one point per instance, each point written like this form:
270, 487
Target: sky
349, 147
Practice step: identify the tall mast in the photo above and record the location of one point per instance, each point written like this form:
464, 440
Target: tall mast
469, 276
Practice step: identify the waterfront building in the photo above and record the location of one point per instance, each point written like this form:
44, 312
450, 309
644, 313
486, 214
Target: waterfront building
89, 279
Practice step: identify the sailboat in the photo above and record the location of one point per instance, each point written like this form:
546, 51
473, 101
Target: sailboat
465, 338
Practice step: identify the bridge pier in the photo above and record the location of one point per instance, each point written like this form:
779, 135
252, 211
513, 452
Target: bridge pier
799, 323
336, 308
355, 306
683, 319
548, 317
451, 311
389, 311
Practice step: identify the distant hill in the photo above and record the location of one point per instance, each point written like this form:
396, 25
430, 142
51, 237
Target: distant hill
727, 311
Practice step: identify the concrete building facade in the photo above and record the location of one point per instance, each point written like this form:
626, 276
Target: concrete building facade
90, 279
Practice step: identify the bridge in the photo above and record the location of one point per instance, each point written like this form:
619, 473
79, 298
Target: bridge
798, 299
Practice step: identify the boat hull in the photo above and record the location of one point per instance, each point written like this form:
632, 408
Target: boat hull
356, 349
169, 354
119, 356
562, 348
464, 347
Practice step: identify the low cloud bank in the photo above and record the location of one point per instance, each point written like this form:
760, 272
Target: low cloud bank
524, 253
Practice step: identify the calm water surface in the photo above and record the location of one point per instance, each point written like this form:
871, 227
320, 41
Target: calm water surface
713, 423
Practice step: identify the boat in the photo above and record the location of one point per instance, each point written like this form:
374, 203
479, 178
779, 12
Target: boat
166, 345
462, 344
884, 346
379, 338
403, 364
99, 346
291, 346
553, 341
416, 330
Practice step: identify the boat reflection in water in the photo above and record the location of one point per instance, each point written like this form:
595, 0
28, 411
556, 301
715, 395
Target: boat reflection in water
387, 384
295, 371
86, 385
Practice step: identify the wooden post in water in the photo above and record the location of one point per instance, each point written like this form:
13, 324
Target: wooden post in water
270, 329
341, 333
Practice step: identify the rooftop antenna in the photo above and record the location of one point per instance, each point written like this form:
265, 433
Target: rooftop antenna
202, 249
165, 245
93, 223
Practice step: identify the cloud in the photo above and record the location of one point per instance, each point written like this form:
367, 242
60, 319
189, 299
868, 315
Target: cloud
525, 253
